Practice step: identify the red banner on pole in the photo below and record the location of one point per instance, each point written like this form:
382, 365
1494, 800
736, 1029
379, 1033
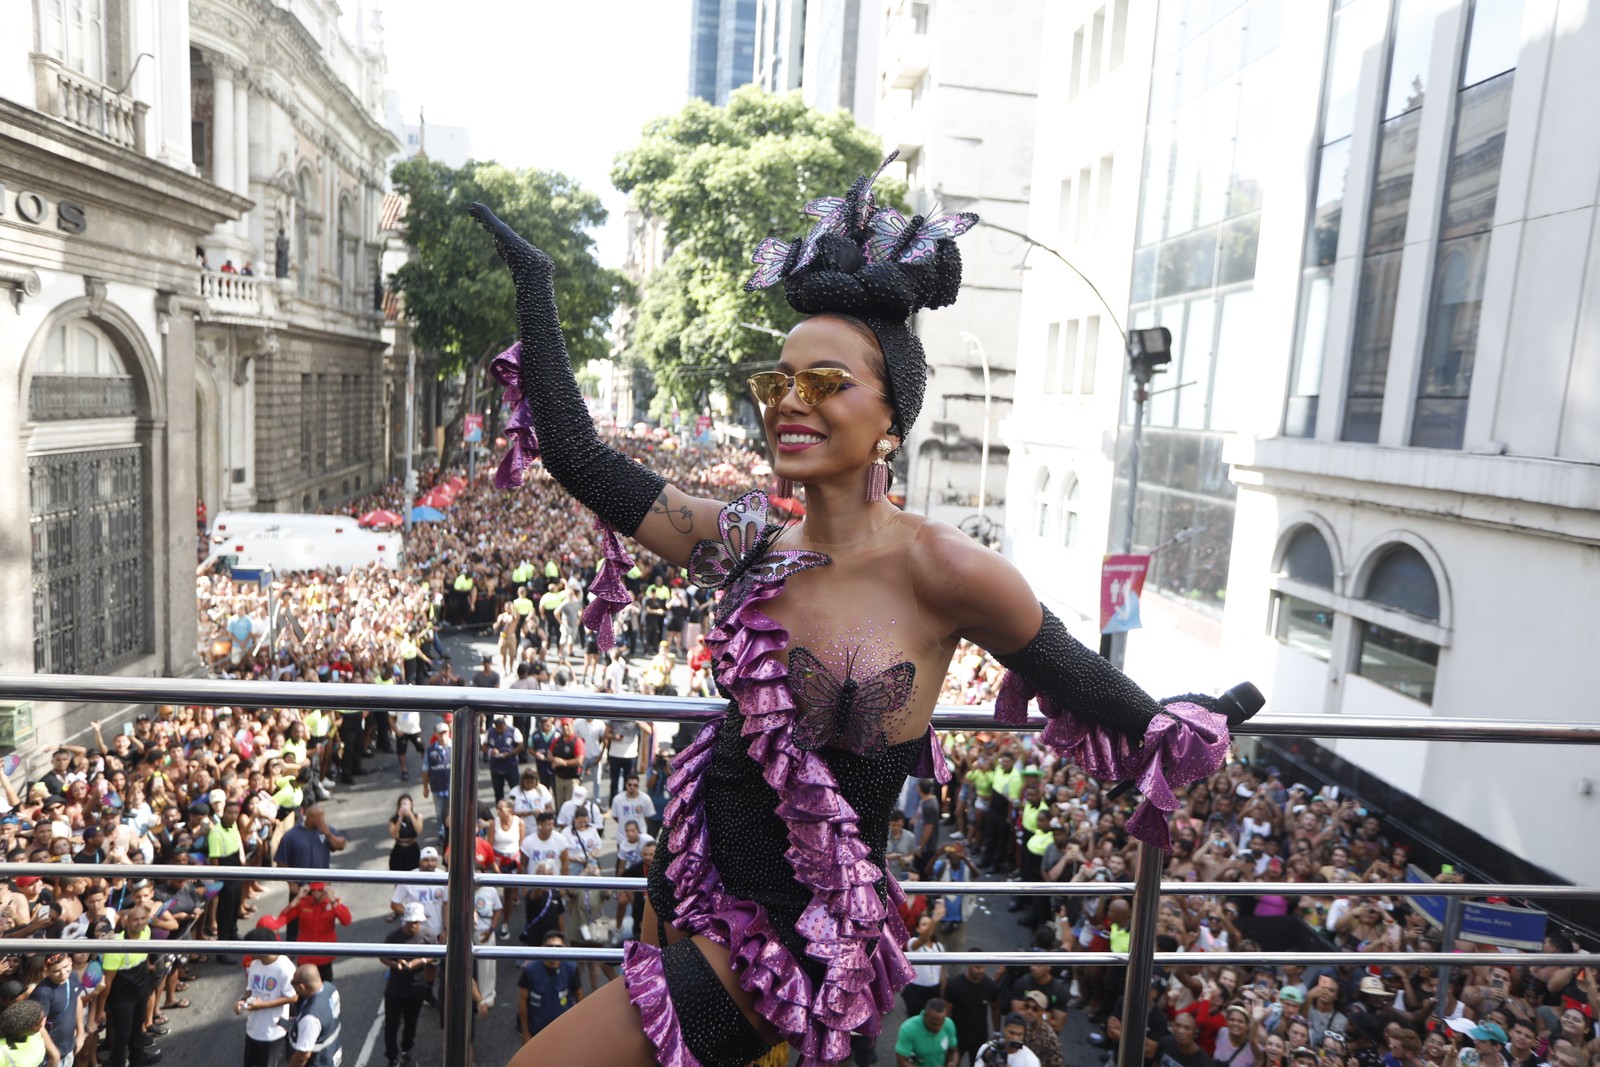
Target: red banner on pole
1121, 586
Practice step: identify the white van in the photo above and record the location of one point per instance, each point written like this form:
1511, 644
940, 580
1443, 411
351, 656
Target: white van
234, 523
294, 545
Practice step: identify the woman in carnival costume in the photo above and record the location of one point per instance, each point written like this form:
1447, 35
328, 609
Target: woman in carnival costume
770, 916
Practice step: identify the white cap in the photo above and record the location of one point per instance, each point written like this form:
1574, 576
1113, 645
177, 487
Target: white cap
429, 853
414, 913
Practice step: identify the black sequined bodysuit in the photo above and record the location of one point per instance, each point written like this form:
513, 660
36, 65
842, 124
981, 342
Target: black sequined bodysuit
749, 840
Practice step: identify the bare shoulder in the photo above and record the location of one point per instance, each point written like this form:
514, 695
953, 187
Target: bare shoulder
971, 590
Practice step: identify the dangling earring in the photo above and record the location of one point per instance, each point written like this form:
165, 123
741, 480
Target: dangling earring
784, 488
878, 473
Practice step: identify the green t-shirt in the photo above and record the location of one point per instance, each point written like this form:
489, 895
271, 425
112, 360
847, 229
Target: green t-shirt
922, 1046
1008, 783
982, 780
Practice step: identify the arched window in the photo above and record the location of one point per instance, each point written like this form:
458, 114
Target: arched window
347, 249
87, 508
1069, 514
302, 233
1297, 622
1307, 558
1041, 493
79, 375
1402, 580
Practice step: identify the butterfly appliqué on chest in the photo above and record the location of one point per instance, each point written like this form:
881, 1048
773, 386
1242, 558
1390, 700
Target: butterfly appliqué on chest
846, 711
743, 557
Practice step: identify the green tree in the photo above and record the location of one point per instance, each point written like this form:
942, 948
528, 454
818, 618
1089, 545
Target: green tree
721, 179
458, 294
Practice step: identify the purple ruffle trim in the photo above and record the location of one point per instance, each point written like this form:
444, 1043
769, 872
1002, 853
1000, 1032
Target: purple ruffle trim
523, 443
608, 593
647, 988
1181, 746
825, 849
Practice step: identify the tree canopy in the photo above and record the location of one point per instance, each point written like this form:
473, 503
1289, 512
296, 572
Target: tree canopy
721, 179
458, 294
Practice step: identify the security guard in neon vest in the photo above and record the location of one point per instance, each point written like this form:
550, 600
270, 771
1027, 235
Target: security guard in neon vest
314, 1037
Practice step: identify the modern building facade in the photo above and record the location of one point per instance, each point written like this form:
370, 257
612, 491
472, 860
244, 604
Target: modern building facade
138, 140
826, 49
1368, 225
722, 47
957, 99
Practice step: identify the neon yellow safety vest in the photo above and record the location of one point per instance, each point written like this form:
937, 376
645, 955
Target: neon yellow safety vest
463, 582
224, 841
122, 961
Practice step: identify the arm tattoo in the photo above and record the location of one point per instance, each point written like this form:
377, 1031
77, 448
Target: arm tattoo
681, 518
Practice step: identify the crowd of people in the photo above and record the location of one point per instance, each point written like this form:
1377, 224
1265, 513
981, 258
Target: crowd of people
1013, 810
220, 786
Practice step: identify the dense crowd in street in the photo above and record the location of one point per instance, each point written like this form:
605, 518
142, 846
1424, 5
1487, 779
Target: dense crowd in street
220, 786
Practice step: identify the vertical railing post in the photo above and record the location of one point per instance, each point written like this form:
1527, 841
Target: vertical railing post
1141, 950
1447, 943
458, 912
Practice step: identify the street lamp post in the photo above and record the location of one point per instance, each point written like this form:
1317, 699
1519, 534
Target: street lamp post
988, 400
409, 485
1148, 352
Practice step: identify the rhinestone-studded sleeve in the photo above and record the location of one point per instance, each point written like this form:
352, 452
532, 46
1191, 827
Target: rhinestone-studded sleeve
1080, 681
605, 481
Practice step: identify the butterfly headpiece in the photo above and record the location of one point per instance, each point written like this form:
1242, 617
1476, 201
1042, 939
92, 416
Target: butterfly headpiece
867, 261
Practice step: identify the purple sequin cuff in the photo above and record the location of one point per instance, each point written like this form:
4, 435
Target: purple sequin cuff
847, 927
1182, 745
522, 443
642, 973
609, 594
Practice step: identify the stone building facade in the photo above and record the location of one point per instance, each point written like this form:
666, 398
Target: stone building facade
139, 138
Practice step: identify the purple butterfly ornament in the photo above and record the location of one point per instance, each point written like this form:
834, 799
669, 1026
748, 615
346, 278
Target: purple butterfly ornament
846, 712
742, 556
914, 240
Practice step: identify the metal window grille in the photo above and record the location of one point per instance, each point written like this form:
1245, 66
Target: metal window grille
91, 606
459, 953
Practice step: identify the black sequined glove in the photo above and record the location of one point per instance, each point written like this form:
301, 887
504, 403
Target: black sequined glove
603, 480
1079, 680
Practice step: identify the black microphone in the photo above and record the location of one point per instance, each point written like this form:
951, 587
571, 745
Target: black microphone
1241, 702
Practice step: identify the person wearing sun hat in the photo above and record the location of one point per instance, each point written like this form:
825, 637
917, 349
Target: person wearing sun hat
1490, 1040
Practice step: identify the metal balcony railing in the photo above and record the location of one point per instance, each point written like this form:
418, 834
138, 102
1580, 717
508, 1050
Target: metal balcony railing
459, 951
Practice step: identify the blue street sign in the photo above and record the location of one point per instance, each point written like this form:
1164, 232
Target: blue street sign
1484, 924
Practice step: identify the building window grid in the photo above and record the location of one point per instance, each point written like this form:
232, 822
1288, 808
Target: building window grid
1409, 47
1349, 30
91, 608
1482, 115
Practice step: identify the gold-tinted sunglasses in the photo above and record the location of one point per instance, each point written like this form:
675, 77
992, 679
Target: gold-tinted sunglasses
811, 386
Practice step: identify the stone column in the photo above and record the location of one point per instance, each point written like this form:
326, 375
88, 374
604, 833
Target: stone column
241, 155
174, 105
222, 133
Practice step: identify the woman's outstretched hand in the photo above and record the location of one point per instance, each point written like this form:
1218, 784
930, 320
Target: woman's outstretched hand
514, 249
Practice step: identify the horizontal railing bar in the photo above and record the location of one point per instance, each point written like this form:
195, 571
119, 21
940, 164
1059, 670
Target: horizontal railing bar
1102, 889
161, 871
1118, 959
368, 950
199, 872
186, 947
363, 697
